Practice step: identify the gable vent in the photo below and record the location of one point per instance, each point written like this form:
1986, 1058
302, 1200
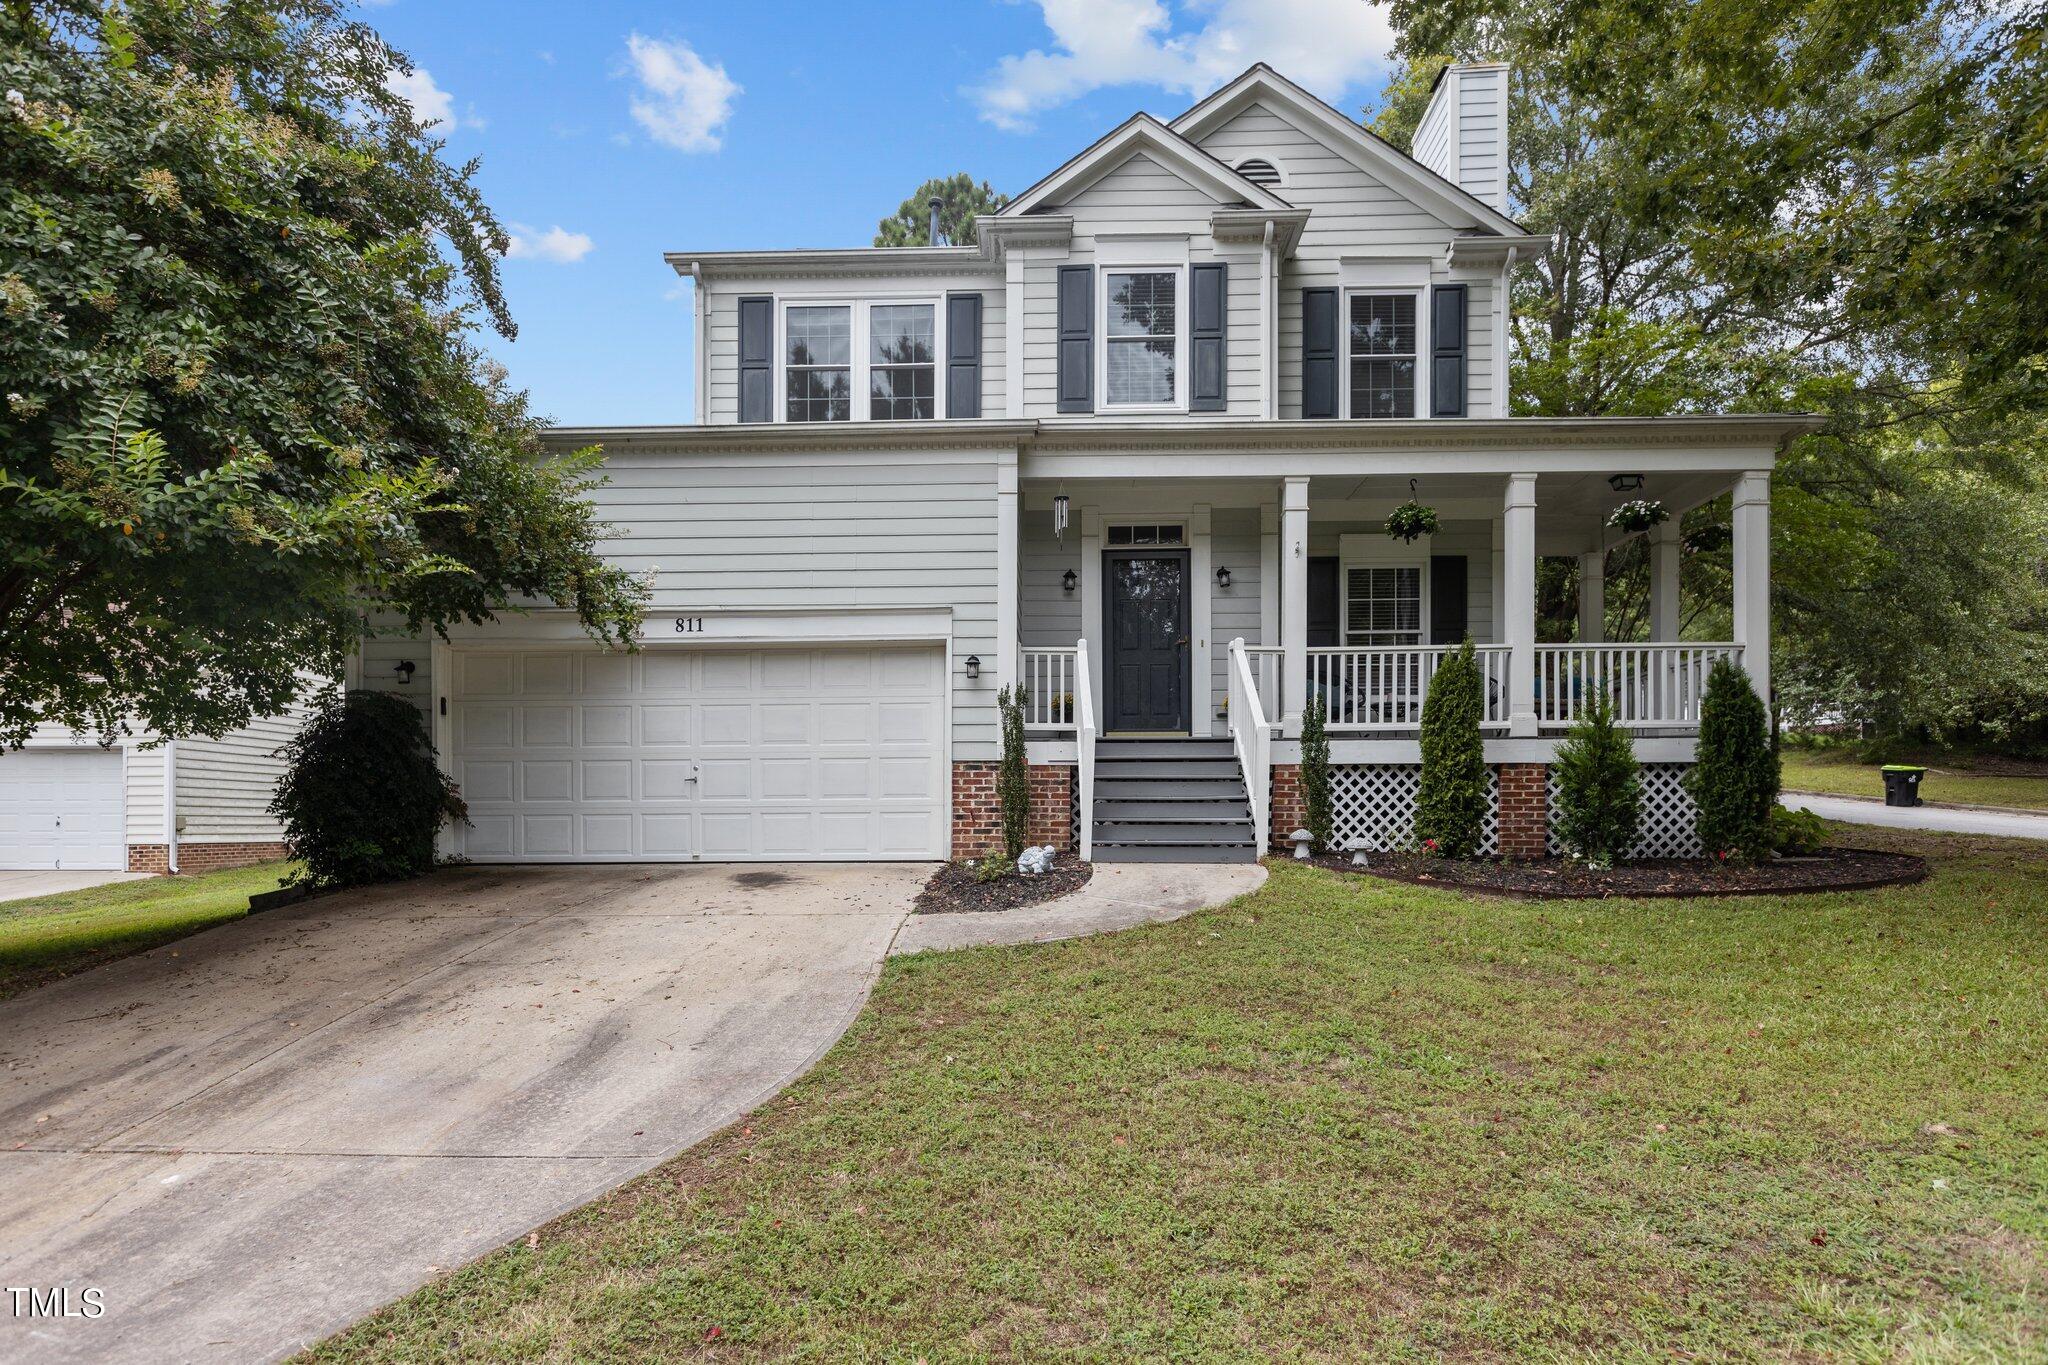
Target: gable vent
1259, 171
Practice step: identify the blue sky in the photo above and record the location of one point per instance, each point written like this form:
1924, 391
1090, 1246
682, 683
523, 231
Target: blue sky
612, 132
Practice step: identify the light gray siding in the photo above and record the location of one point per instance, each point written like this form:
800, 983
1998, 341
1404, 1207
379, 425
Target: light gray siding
1472, 539
1351, 214
1233, 611
225, 784
1047, 614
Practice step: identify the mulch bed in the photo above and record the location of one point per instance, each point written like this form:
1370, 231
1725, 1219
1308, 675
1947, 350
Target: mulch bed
1833, 869
953, 889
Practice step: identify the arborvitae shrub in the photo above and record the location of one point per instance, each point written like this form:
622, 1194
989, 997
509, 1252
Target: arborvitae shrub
1451, 807
1734, 778
1599, 787
1013, 781
1318, 818
362, 798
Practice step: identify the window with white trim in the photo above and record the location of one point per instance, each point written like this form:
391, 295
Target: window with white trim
902, 362
1383, 605
1142, 354
1383, 344
818, 362
1165, 533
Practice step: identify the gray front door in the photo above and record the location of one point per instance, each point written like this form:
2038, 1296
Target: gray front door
1147, 612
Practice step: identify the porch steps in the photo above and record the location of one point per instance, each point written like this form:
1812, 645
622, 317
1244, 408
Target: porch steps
1171, 801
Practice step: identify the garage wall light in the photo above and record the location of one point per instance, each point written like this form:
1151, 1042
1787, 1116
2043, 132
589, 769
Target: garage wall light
1222, 577
1069, 579
405, 670
974, 665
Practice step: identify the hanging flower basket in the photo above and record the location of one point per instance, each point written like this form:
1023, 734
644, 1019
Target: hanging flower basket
1411, 521
1639, 514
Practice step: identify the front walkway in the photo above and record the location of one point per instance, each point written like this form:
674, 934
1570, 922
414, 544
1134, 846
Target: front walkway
1946, 819
1118, 896
252, 1137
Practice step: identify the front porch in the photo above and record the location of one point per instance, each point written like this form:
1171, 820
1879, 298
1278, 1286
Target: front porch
1161, 605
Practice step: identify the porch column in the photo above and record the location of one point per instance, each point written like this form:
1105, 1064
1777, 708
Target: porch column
1294, 604
1664, 539
1592, 597
1007, 556
1752, 518
1518, 570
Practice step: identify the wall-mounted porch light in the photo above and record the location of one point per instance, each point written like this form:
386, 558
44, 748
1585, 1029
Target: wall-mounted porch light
1625, 483
1222, 577
974, 665
405, 670
1069, 579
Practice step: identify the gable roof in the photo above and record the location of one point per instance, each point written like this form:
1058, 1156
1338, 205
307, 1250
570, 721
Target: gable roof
1349, 139
1143, 133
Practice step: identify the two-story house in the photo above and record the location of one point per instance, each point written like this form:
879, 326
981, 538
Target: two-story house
1132, 450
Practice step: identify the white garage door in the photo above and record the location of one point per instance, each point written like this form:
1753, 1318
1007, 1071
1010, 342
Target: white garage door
681, 754
62, 808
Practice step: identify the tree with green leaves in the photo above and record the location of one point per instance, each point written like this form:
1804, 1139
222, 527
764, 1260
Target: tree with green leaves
1318, 813
243, 402
1797, 206
1450, 807
961, 200
1734, 777
1599, 787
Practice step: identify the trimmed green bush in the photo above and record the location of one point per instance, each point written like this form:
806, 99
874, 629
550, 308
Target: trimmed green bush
1797, 833
994, 868
1599, 787
1318, 816
1013, 781
1451, 807
362, 798
1734, 780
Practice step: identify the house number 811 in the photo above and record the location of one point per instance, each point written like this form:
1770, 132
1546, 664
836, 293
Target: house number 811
689, 625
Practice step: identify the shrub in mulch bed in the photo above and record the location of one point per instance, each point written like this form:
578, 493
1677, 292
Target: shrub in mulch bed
1832, 869
954, 888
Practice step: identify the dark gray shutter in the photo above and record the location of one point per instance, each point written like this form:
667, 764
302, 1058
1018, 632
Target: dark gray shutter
963, 355
1448, 624
1324, 627
1447, 351
1077, 339
1318, 353
757, 359
1208, 370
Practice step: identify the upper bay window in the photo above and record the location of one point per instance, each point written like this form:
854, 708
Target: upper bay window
1141, 338
861, 361
818, 363
1383, 355
902, 367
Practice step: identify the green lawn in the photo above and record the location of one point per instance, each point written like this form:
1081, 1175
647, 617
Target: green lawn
53, 936
1345, 1119
1949, 778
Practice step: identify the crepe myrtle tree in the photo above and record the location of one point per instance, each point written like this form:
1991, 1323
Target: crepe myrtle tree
241, 403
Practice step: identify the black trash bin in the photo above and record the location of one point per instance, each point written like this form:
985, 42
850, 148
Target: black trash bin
1902, 784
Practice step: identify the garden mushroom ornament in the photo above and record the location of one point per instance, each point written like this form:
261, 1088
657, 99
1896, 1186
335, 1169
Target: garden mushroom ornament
1301, 839
1358, 849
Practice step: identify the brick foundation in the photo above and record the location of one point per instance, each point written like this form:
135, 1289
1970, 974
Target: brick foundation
202, 857
978, 814
1524, 810
1287, 808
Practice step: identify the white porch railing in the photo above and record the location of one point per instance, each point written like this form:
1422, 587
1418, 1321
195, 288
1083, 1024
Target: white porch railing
1651, 685
1383, 688
1265, 663
1046, 676
1251, 736
1084, 746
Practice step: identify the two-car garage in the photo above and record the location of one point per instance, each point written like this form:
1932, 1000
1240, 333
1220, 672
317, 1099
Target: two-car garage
573, 754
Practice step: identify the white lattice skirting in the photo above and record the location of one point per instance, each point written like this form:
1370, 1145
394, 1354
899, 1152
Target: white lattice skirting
1376, 802
1668, 828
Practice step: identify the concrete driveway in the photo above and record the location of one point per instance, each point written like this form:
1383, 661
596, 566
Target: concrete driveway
248, 1139
20, 886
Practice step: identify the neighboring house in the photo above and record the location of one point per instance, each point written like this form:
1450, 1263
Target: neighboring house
189, 805
1131, 450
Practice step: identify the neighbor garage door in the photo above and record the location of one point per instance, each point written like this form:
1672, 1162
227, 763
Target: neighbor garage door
62, 808
679, 754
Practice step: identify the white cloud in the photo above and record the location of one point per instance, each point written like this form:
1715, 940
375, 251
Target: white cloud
1322, 44
430, 103
557, 244
684, 101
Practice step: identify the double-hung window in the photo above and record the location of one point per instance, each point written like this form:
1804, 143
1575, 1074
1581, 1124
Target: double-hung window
902, 365
859, 361
1141, 338
1383, 606
1383, 343
818, 362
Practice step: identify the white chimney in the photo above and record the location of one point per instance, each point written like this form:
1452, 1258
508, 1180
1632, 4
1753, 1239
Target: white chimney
1463, 135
